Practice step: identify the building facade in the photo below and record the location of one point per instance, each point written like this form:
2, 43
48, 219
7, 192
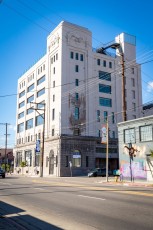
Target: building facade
75, 89
136, 148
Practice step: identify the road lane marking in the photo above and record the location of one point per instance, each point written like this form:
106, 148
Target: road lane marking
5, 183
92, 197
116, 190
40, 188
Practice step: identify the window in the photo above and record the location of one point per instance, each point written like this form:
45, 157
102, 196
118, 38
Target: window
20, 115
105, 116
22, 94
29, 99
76, 96
54, 58
113, 134
76, 159
43, 66
71, 55
129, 136
53, 114
54, 70
113, 119
145, 133
104, 76
133, 94
104, 88
39, 120
53, 132
98, 115
87, 161
66, 161
134, 117
29, 111
57, 56
18, 158
41, 92
98, 132
133, 82
53, 97
98, 61
21, 104
105, 102
37, 159
20, 127
28, 157
132, 70
104, 63
29, 124
76, 115
77, 56
76, 68
76, 82
30, 88
42, 79
41, 105
110, 64
81, 57
53, 84
134, 106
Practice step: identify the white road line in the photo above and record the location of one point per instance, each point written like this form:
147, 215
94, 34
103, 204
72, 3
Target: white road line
91, 197
40, 188
5, 183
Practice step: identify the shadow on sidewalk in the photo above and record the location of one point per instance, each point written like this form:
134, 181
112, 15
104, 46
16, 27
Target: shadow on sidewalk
11, 216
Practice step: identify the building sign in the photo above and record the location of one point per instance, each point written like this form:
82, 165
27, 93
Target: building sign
104, 134
76, 154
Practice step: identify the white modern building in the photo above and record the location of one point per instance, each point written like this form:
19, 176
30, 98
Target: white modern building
80, 87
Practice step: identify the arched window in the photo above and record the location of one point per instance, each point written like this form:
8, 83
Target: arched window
76, 158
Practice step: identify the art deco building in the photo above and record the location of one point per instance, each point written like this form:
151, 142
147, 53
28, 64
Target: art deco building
77, 88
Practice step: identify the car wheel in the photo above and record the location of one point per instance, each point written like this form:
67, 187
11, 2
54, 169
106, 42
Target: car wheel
3, 176
95, 175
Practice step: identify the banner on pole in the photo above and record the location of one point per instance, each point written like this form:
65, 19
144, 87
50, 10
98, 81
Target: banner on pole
104, 134
37, 146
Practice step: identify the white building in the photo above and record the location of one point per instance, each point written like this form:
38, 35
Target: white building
80, 87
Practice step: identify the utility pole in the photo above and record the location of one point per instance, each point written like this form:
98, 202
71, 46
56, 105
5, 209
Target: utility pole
107, 144
43, 138
123, 87
6, 134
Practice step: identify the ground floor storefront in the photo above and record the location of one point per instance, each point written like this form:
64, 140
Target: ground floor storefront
65, 156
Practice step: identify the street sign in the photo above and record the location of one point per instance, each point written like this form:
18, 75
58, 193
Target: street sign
38, 146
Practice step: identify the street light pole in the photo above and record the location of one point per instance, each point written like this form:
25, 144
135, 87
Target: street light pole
107, 150
6, 127
43, 142
43, 138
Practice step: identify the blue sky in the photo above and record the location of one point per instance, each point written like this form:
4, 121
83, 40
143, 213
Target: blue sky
25, 25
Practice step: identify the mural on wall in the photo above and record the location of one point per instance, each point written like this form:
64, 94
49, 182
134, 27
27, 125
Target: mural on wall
138, 169
132, 164
77, 118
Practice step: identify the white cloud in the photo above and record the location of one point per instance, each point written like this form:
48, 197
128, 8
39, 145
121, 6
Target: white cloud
150, 86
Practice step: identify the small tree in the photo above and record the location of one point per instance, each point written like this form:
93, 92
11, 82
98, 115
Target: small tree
7, 167
22, 164
151, 151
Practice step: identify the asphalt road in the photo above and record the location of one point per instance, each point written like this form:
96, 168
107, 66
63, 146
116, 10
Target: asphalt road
74, 204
